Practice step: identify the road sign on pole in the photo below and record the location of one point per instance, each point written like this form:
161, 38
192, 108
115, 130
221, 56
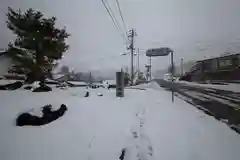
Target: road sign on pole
164, 51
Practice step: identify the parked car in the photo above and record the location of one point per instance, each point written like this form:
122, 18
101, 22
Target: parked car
169, 77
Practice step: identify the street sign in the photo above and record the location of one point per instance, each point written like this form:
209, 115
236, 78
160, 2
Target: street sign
164, 51
158, 52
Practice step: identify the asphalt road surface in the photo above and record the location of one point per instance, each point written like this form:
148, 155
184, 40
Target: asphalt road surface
223, 105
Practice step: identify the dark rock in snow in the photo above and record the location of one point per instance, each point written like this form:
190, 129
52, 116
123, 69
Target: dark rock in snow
28, 119
43, 88
122, 154
60, 85
94, 86
2, 87
28, 87
87, 94
47, 109
48, 116
100, 94
12, 86
111, 86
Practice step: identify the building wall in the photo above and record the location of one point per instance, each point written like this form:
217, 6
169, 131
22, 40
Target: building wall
221, 68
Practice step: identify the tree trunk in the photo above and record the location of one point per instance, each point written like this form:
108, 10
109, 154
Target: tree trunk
35, 75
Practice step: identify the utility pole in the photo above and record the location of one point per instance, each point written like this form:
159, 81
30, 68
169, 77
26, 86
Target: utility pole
90, 78
181, 66
172, 70
150, 68
132, 34
138, 62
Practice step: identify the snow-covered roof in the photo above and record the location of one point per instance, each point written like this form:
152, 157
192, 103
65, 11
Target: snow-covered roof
221, 56
57, 76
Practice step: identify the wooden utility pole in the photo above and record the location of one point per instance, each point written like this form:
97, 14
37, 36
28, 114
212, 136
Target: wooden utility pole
138, 66
181, 66
132, 50
150, 68
131, 35
172, 70
90, 78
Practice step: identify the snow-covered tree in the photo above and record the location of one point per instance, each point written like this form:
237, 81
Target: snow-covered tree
39, 44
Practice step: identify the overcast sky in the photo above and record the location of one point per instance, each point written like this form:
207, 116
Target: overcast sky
194, 29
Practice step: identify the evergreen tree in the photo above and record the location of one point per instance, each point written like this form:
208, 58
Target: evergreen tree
141, 76
39, 44
64, 70
126, 78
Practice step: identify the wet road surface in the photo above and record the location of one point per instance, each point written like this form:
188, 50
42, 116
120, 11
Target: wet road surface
221, 104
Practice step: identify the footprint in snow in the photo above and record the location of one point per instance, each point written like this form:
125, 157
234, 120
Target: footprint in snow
135, 135
150, 150
145, 147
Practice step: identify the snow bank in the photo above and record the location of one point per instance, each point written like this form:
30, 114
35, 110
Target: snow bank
6, 81
77, 83
151, 85
145, 122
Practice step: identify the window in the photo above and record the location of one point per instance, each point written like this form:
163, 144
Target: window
207, 65
225, 62
197, 66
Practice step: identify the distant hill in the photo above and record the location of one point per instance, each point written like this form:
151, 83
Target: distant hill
96, 76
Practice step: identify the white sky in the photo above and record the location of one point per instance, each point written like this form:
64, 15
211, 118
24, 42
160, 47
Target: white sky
186, 26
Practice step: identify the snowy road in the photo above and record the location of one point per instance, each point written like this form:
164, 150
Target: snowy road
224, 105
144, 123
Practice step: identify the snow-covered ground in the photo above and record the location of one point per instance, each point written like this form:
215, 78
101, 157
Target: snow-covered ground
235, 87
145, 122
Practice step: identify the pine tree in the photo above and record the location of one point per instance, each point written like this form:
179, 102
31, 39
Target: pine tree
39, 44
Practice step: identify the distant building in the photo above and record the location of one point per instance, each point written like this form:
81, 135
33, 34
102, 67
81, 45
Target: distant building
225, 67
61, 77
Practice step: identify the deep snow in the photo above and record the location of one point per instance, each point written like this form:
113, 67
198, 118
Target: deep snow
145, 122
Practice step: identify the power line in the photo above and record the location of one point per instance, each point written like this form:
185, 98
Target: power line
122, 33
119, 9
113, 18
110, 10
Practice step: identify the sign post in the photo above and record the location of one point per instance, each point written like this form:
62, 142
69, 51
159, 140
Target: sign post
120, 84
172, 70
165, 51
